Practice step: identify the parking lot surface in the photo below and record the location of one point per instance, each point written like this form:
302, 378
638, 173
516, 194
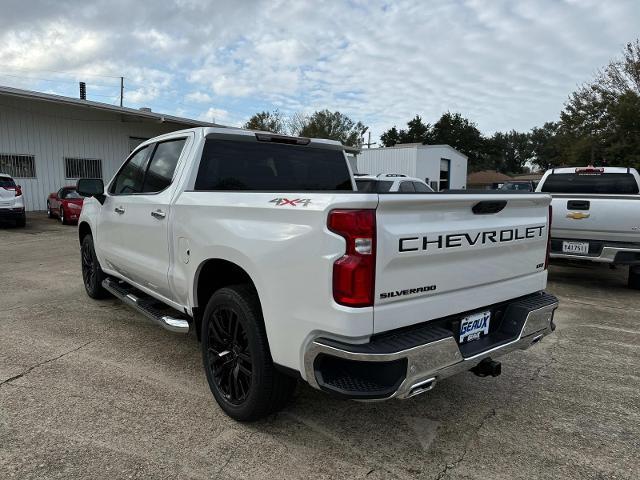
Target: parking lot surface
91, 389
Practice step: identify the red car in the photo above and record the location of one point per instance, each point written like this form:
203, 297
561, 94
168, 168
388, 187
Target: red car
65, 204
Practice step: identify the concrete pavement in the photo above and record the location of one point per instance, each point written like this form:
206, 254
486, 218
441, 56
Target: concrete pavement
90, 389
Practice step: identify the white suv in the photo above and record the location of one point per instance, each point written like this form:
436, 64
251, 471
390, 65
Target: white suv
390, 183
11, 201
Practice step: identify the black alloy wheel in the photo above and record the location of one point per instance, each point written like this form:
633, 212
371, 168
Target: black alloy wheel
229, 355
236, 356
92, 274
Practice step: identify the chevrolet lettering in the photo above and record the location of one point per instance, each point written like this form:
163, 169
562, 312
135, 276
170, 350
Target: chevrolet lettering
455, 240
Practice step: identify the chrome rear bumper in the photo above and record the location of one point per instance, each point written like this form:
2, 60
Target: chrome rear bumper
608, 254
432, 361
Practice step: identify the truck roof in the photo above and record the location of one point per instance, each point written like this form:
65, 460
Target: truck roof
240, 132
604, 169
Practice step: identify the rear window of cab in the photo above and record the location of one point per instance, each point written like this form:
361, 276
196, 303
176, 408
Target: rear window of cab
586, 183
256, 166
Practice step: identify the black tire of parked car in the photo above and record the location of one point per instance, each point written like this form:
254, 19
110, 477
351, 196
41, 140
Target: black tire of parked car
61, 216
634, 277
21, 222
236, 356
49, 212
92, 274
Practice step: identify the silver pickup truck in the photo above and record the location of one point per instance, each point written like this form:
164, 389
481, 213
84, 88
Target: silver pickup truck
596, 215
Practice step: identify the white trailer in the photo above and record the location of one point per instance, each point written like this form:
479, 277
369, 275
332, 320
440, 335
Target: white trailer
441, 166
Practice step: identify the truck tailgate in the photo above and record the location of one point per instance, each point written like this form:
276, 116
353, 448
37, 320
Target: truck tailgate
443, 254
611, 218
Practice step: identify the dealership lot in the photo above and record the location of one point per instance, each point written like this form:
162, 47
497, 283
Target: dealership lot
93, 390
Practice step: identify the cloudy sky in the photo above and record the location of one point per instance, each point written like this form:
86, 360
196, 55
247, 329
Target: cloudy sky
503, 64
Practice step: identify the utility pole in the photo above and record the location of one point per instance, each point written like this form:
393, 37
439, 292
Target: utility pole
369, 142
121, 89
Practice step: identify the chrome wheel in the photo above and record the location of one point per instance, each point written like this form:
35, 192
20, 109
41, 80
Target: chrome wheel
61, 215
229, 356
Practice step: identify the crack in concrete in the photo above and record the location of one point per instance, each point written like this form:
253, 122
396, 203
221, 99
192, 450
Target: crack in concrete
551, 359
233, 454
40, 364
452, 466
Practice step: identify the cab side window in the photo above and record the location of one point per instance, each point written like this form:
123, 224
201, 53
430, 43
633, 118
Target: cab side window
131, 177
163, 165
421, 187
407, 187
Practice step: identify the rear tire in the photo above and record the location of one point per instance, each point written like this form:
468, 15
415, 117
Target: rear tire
92, 274
634, 277
236, 356
49, 213
21, 222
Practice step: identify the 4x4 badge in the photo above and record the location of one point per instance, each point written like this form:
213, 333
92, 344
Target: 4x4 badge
280, 202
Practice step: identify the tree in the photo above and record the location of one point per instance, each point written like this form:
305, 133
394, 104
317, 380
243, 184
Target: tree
599, 123
267, 122
417, 132
334, 126
546, 146
463, 135
508, 152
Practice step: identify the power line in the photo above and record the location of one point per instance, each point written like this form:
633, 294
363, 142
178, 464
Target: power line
57, 80
68, 72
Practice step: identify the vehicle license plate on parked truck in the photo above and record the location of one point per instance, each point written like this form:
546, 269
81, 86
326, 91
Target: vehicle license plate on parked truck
474, 326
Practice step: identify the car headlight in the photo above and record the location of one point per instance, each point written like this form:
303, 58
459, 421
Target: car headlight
74, 206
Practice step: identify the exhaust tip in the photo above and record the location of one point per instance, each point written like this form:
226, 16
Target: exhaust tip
421, 387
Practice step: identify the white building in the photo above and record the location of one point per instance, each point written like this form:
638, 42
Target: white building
49, 141
441, 166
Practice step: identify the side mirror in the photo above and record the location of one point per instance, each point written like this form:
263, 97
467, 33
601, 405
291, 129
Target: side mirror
91, 187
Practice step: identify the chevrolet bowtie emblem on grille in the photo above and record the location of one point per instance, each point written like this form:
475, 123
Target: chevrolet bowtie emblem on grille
578, 215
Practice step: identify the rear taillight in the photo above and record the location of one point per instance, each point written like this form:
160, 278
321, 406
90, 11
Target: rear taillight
546, 259
17, 189
354, 272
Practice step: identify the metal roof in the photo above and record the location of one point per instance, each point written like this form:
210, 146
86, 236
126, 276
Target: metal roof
417, 145
77, 102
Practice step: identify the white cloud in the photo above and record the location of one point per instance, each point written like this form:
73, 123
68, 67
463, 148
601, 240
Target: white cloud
503, 64
198, 97
214, 115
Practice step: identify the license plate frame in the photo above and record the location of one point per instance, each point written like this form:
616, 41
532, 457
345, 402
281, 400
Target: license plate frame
575, 248
474, 326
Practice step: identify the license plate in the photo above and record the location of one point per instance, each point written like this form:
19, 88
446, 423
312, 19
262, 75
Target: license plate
581, 248
474, 326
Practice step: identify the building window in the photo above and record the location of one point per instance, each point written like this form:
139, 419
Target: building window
445, 167
82, 168
18, 166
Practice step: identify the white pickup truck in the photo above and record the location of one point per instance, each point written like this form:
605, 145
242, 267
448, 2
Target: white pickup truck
596, 216
263, 246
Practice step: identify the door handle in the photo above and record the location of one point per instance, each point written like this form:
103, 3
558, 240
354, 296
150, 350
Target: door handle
158, 214
119, 210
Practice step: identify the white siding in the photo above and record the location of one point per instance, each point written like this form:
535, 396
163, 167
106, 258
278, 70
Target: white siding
421, 161
387, 160
52, 131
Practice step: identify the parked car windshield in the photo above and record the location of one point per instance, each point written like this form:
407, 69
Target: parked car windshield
516, 186
70, 194
373, 186
605, 183
7, 182
248, 165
